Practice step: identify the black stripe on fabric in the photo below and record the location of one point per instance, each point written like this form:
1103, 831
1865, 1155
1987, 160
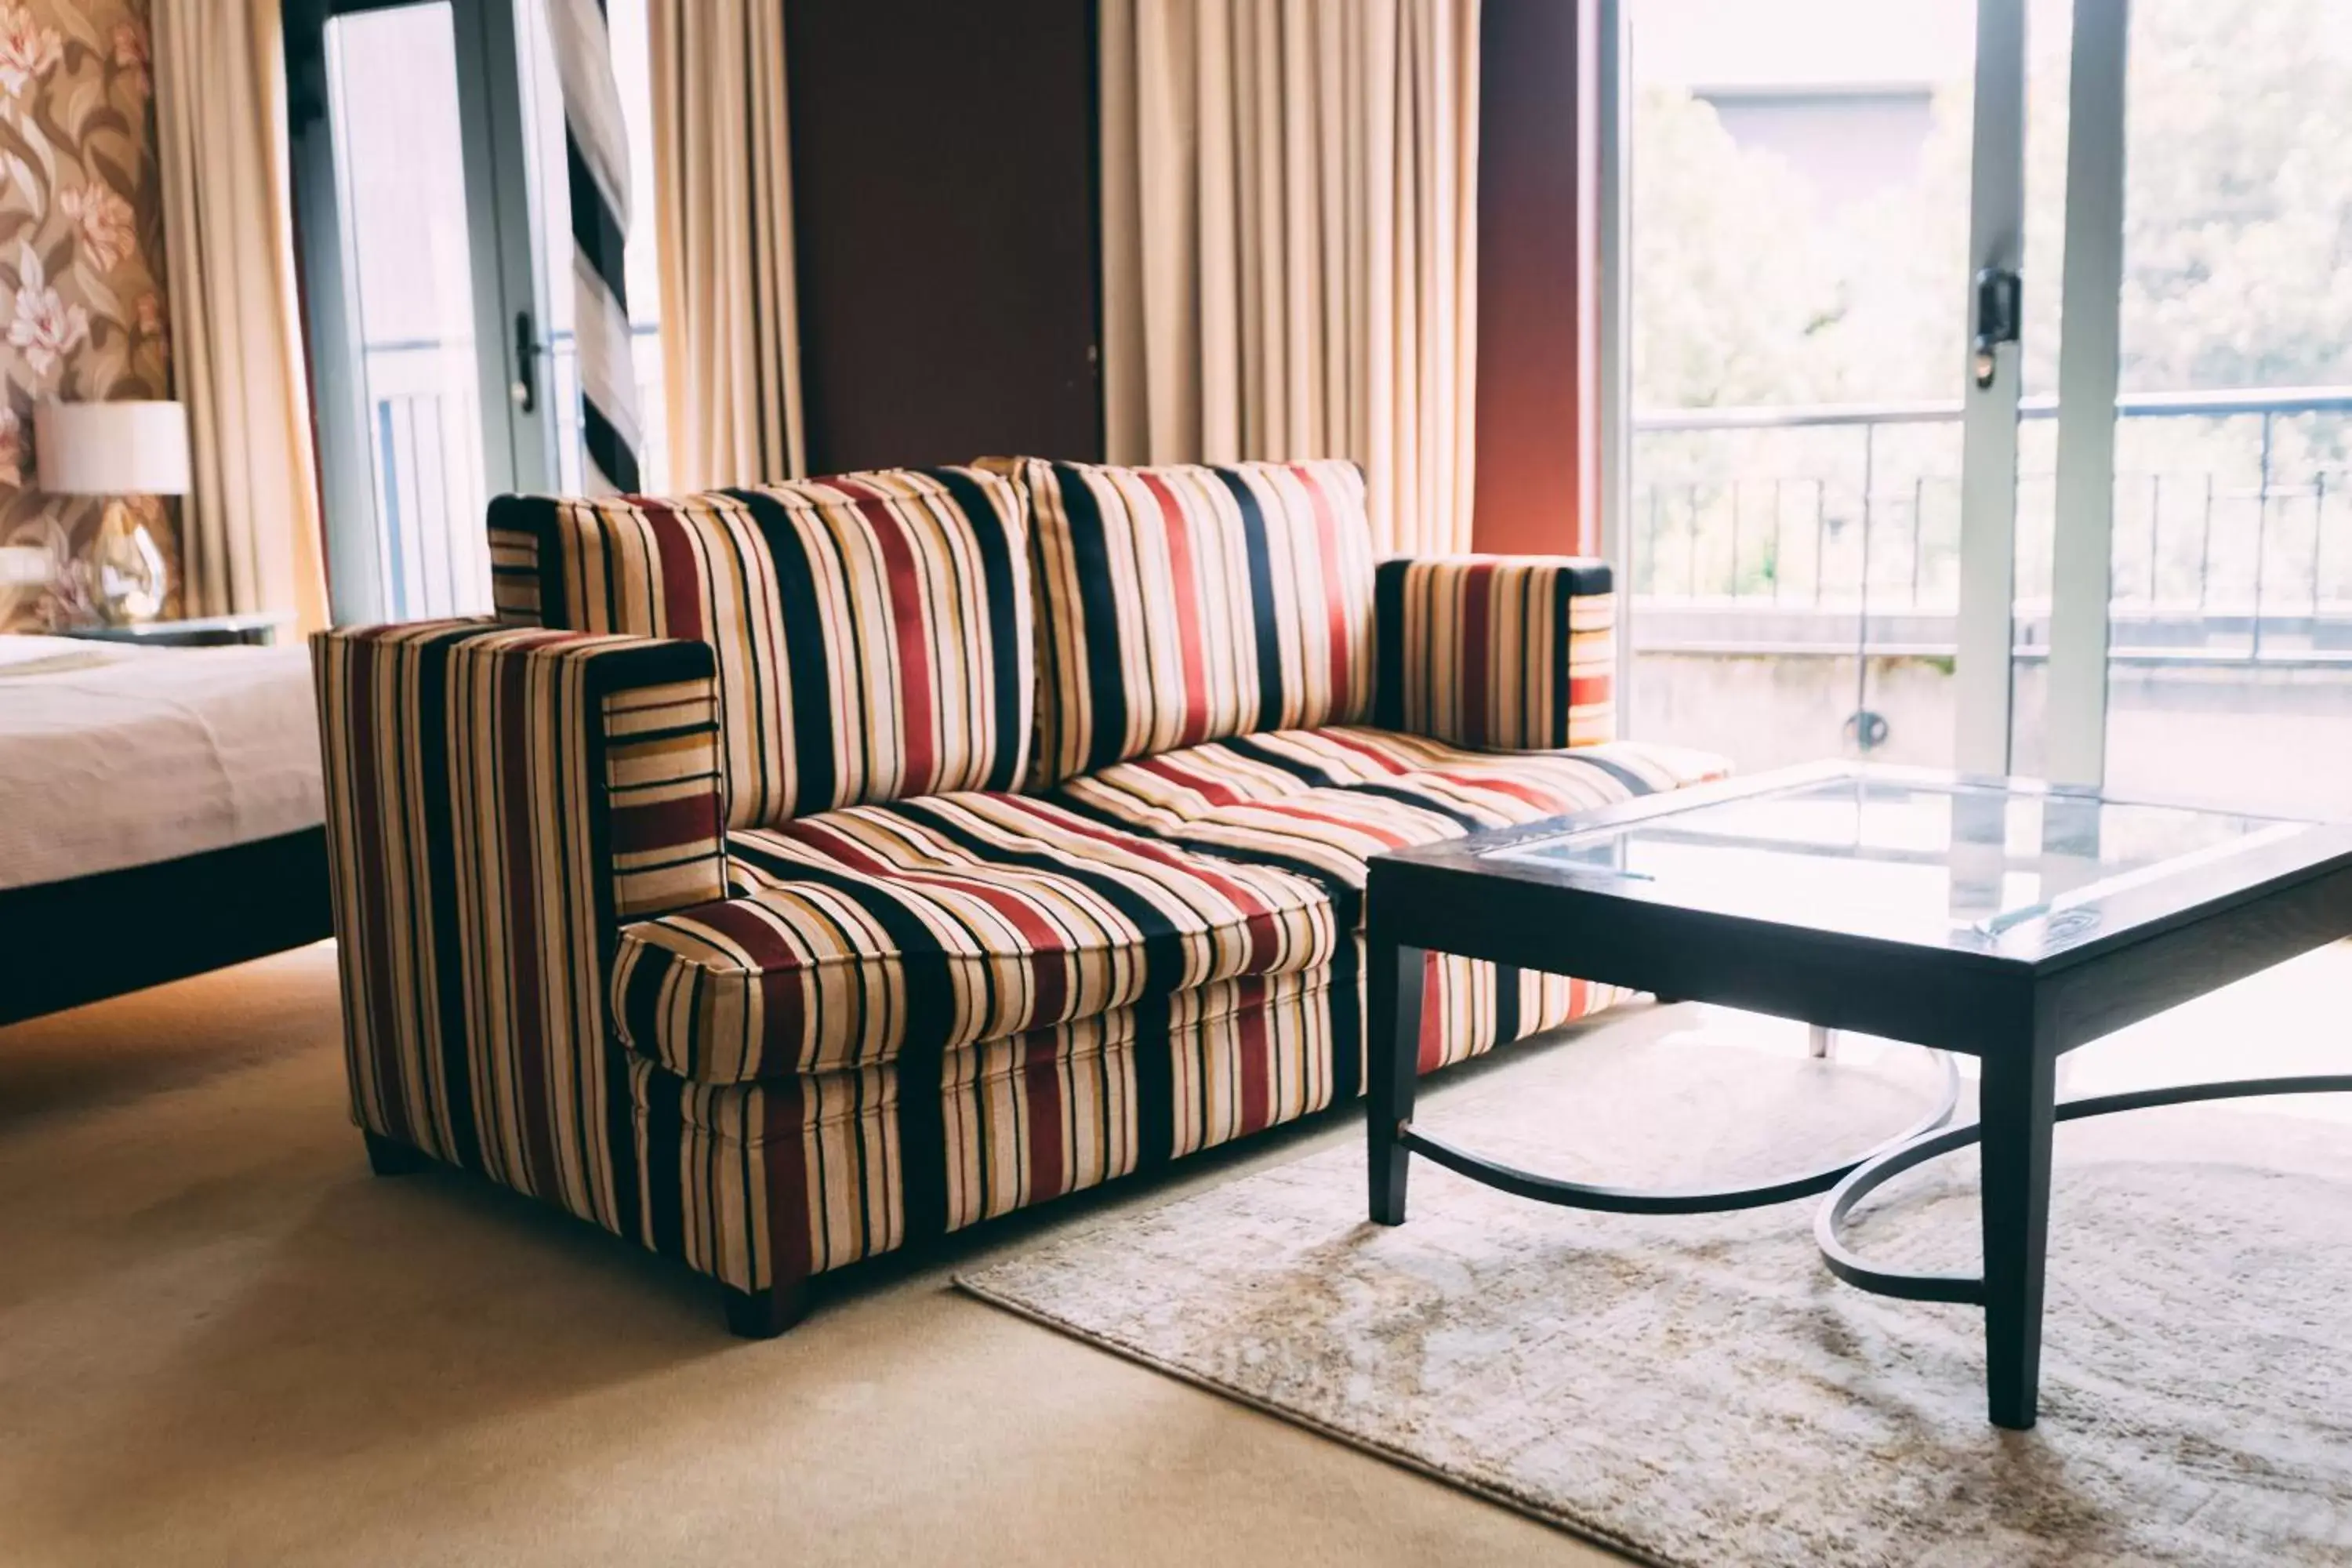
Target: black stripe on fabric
1404, 797
1506, 1003
807, 663
998, 568
1618, 771
430, 734
603, 443
665, 1133
1336, 888
1106, 688
1388, 643
1563, 595
537, 517
1298, 768
923, 1140
1155, 1086
596, 229
1262, 600
1163, 944
641, 1000
931, 991
606, 674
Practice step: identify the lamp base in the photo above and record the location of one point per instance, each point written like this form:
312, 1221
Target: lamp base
126, 565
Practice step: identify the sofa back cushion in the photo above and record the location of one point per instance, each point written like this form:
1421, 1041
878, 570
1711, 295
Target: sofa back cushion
1185, 604
872, 630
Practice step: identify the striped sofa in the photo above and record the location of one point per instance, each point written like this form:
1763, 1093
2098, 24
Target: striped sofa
789, 874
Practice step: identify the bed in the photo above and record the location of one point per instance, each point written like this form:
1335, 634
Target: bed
160, 816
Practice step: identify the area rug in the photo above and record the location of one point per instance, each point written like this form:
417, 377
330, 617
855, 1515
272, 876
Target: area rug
1699, 1391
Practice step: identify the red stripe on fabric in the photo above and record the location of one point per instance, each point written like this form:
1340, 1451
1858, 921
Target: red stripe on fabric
1210, 787
1586, 690
1360, 745
1041, 934
1249, 1023
1188, 609
784, 1158
1477, 589
1352, 825
1431, 1052
1048, 1173
1239, 893
782, 973
1335, 602
358, 679
1518, 789
911, 632
663, 824
518, 825
1264, 935
681, 574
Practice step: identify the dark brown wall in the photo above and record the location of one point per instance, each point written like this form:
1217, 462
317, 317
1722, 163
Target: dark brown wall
945, 209
1535, 436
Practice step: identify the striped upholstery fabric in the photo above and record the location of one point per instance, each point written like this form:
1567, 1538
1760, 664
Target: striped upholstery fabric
1514, 653
1181, 604
931, 924
761, 1183
498, 801
872, 630
1322, 802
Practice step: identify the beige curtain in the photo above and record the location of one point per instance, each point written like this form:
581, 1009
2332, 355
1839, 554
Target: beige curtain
1290, 230
723, 204
249, 524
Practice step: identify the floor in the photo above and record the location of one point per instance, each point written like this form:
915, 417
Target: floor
222, 1340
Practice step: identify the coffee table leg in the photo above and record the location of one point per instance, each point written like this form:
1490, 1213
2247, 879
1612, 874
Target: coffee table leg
2019, 1094
1393, 1058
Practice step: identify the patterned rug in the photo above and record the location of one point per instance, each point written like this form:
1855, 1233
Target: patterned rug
1699, 1391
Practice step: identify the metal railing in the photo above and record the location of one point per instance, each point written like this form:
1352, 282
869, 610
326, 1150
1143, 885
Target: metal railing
1830, 525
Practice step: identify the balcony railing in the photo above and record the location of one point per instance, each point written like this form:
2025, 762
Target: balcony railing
1820, 528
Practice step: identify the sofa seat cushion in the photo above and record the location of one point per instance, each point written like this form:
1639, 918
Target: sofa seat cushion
1321, 802
858, 934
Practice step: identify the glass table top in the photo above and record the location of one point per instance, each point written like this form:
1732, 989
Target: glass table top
1945, 862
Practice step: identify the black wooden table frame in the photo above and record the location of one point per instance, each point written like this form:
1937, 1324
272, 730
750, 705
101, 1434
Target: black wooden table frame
2143, 948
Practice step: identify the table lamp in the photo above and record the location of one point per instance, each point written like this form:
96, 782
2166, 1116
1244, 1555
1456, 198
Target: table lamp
125, 450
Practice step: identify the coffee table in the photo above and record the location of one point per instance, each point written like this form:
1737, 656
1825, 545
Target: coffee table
2002, 920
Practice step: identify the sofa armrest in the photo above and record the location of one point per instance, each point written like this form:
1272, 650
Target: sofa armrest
499, 800
1507, 652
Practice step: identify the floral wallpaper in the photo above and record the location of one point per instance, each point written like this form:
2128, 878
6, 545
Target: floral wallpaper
82, 294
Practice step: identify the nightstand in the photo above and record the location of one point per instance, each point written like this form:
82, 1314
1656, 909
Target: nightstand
257, 630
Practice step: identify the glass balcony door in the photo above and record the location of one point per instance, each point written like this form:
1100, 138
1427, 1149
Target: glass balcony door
1812, 510
2201, 591
420, 288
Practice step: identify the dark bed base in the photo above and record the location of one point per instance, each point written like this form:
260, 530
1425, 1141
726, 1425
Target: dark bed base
65, 944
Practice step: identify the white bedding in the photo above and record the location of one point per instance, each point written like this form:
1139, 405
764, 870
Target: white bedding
113, 755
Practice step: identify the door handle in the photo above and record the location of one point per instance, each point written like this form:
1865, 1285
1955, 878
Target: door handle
524, 388
2000, 311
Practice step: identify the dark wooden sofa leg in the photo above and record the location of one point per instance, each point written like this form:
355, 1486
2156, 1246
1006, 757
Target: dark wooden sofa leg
764, 1314
388, 1158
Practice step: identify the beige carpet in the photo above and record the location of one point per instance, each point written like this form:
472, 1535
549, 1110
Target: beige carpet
222, 1341
1699, 1391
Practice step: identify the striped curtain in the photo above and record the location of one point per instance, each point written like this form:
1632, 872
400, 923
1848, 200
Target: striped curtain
596, 165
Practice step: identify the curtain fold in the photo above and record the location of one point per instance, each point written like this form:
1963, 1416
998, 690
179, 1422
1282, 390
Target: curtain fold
723, 199
250, 522
1290, 231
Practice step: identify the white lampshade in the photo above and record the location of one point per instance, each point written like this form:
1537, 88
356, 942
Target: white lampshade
111, 448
